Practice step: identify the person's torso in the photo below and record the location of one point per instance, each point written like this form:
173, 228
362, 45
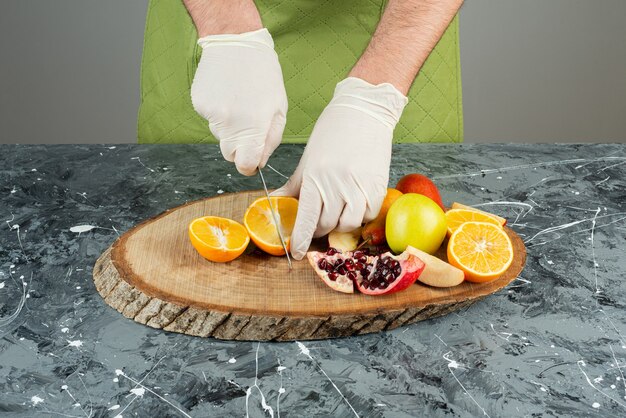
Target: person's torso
317, 44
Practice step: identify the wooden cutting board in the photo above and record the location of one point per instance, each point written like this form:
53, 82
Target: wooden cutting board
153, 275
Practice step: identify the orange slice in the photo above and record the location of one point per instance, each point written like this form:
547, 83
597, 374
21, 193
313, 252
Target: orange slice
260, 223
482, 250
456, 217
218, 239
500, 219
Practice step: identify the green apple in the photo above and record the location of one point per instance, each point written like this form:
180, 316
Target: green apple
417, 221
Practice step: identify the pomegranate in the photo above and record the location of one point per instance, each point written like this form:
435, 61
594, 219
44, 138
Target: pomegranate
338, 269
370, 274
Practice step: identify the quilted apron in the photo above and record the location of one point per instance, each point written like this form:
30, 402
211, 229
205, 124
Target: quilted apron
317, 42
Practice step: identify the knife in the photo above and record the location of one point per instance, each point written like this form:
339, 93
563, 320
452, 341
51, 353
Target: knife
280, 235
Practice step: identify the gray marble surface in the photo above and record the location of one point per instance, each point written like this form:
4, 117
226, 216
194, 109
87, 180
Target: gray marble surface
551, 344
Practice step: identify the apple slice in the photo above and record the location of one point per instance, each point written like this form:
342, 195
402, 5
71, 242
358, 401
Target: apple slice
437, 273
500, 219
344, 241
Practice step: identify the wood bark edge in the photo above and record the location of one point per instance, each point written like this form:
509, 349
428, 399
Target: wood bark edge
161, 314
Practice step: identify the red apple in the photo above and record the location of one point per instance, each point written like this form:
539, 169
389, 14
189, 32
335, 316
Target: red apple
420, 184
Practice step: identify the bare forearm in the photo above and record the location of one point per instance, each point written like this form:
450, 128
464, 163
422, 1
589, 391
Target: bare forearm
405, 36
213, 17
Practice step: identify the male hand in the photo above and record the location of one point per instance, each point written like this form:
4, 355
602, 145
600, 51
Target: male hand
239, 89
343, 174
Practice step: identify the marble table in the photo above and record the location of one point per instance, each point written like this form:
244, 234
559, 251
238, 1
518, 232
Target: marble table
551, 344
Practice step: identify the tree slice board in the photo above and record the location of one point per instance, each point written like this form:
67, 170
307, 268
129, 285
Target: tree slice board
153, 275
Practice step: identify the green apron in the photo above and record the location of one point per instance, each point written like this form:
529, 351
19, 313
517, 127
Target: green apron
317, 42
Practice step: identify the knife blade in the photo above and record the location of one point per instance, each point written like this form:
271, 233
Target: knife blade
280, 235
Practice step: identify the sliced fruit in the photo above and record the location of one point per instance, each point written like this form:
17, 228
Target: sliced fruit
391, 274
482, 250
370, 274
457, 217
260, 224
420, 184
437, 273
417, 221
500, 219
218, 239
344, 241
374, 231
331, 268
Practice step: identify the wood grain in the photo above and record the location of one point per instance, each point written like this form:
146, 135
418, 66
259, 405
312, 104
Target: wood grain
153, 275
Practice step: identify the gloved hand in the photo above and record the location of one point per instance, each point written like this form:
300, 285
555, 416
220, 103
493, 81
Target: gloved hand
343, 174
239, 89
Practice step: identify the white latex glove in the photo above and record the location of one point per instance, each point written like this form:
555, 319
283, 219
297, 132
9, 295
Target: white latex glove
239, 89
343, 174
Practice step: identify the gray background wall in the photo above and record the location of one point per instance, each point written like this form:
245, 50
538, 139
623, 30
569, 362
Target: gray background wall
533, 70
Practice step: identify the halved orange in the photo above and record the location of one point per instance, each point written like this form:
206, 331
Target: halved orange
218, 239
260, 223
457, 217
500, 219
482, 250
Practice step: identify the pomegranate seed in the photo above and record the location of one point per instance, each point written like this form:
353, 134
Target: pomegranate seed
322, 264
360, 266
331, 251
332, 276
342, 270
351, 275
383, 285
357, 254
